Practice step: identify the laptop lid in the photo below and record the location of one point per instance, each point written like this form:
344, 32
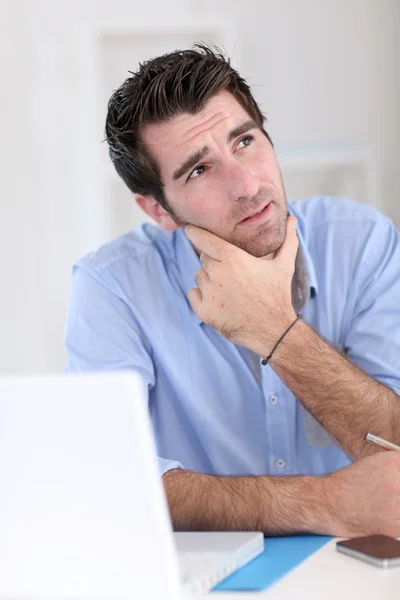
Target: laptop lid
82, 508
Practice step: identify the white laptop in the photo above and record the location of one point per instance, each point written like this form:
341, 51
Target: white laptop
82, 507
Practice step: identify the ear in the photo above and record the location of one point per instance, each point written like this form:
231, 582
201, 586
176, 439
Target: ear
151, 207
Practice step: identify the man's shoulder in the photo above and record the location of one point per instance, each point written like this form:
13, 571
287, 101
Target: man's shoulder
345, 237
332, 211
134, 247
340, 222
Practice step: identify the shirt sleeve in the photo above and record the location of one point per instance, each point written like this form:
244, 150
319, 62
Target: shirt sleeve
373, 337
102, 334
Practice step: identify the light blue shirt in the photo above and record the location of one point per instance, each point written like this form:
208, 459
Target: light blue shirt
213, 408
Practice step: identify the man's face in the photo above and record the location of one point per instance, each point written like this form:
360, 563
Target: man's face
218, 171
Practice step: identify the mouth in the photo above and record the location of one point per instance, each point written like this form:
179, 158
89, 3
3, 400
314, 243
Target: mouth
257, 216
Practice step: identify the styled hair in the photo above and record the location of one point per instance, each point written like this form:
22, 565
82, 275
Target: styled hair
162, 88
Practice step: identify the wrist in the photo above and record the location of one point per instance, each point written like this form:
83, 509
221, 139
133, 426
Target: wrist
343, 521
325, 510
297, 504
292, 344
316, 501
270, 331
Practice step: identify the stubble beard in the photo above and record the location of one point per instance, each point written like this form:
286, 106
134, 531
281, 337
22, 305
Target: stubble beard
263, 240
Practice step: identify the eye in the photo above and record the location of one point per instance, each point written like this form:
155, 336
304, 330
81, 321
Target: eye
197, 172
246, 141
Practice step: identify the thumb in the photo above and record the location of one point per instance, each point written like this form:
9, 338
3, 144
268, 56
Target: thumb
286, 254
195, 299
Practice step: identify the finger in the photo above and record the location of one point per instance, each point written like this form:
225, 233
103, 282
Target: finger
208, 242
207, 262
195, 299
288, 251
201, 278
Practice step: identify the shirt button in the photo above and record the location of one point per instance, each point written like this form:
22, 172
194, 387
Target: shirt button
280, 463
273, 400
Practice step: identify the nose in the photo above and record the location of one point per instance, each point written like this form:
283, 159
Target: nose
242, 182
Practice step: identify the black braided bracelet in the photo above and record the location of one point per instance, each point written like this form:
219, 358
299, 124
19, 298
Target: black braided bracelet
265, 360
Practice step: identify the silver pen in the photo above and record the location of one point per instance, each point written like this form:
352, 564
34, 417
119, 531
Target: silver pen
381, 442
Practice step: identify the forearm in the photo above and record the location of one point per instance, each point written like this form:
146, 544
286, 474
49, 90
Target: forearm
337, 393
273, 505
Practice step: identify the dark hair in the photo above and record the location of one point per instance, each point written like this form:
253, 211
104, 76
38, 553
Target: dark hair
162, 88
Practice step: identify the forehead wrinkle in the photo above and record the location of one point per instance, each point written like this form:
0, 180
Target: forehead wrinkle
201, 128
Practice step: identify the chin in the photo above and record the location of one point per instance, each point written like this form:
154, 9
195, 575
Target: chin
260, 251
263, 243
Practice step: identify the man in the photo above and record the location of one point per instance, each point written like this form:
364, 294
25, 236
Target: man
277, 447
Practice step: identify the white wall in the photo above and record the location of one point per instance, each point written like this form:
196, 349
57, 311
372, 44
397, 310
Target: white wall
325, 72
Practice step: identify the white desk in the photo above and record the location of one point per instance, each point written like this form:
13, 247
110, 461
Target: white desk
328, 575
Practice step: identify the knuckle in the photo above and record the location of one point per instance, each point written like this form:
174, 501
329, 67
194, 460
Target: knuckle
210, 268
199, 275
192, 295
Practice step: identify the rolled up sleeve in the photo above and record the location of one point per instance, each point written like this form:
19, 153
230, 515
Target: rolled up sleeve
102, 334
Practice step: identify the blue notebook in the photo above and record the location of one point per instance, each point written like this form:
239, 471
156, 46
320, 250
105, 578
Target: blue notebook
280, 555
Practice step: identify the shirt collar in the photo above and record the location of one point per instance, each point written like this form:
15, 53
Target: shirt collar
309, 264
188, 263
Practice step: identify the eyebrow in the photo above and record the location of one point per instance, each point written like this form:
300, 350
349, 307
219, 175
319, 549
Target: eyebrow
190, 162
194, 158
244, 128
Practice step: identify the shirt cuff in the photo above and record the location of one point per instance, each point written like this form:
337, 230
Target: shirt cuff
165, 465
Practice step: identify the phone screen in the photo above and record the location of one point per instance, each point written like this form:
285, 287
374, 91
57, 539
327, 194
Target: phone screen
377, 546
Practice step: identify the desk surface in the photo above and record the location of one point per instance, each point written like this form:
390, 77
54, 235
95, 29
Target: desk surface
329, 575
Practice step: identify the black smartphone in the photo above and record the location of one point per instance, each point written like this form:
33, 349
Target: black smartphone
379, 550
